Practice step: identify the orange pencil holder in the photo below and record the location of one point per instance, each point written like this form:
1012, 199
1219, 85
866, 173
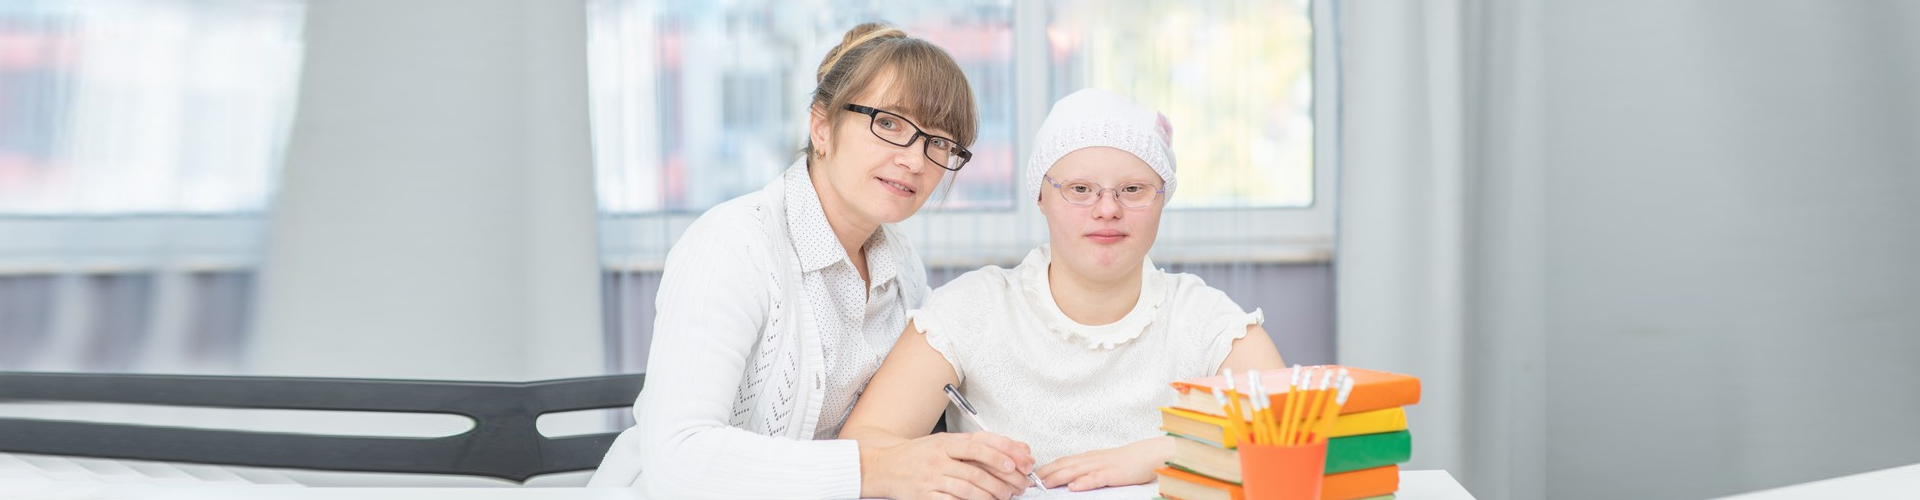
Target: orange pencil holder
1269, 472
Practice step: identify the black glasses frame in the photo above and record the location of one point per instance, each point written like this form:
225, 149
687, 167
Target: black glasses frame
873, 115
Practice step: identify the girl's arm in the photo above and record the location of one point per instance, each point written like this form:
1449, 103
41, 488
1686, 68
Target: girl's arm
1253, 352
897, 457
1135, 462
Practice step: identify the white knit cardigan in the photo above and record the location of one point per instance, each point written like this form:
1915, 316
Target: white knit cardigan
735, 378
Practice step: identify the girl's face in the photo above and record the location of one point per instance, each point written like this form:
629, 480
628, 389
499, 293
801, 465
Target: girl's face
868, 180
1103, 240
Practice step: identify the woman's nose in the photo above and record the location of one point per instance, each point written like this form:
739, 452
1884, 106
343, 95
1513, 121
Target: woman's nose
906, 158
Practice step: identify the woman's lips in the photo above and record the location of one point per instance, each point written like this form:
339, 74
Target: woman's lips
896, 187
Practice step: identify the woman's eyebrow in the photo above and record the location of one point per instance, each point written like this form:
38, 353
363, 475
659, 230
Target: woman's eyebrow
905, 111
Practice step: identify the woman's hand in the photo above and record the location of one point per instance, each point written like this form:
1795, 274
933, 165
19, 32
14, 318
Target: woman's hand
1130, 464
971, 466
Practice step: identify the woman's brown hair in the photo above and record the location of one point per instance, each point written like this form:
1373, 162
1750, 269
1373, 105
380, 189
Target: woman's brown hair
928, 83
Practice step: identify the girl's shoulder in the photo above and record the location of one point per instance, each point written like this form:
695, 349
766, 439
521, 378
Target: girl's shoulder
1192, 301
1186, 291
967, 306
980, 284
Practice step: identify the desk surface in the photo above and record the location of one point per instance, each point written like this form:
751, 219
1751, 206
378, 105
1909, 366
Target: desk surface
1414, 485
1897, 482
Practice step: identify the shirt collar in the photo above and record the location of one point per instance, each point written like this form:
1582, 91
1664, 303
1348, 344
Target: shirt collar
1033, 277
816, 242
882, 259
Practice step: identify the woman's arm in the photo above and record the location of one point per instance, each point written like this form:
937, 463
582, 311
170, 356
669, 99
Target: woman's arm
1135, 462
714, 297
900, 460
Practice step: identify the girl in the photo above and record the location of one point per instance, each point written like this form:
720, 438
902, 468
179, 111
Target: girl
1072, 349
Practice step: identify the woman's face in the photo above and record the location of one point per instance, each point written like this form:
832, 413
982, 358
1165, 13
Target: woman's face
873, 182
1103, 240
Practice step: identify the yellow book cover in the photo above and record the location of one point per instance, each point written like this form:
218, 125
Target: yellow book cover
1212, 428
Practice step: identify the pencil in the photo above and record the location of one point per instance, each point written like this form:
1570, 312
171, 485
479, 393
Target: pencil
1262, 412
1290, 424
1234, 429
1233, 404
1312, 413
1345, 388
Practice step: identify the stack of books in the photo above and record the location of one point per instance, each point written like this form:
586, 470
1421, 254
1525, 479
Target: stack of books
1367, 441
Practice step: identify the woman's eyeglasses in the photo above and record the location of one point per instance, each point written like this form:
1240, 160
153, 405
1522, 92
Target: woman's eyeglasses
899, 131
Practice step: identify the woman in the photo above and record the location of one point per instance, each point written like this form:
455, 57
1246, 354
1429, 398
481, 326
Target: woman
776, 307
1072, 350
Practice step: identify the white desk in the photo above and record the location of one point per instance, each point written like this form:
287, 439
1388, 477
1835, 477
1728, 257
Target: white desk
1414, 485
1897, 482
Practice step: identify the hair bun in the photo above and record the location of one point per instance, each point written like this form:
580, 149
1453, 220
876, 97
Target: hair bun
859, 35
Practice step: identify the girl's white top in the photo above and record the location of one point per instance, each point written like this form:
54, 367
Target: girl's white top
1065, 388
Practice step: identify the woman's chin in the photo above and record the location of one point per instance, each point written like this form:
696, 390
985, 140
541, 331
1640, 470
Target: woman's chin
893, 213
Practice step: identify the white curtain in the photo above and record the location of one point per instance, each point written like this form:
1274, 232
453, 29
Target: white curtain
1401, 297
1438, 112
1689, 208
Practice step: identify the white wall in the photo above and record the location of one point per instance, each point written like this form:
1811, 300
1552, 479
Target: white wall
1721, 228
437, 213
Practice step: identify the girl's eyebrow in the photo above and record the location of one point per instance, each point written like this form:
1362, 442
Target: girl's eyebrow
1122, 182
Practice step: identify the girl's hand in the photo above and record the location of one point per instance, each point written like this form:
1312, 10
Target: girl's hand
1130, 464
971, 466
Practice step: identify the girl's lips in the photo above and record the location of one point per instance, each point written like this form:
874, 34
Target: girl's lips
1106, 237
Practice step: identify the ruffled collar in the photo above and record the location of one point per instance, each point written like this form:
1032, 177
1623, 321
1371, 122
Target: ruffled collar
1033, 278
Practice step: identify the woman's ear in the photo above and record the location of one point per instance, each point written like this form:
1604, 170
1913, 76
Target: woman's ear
819, 130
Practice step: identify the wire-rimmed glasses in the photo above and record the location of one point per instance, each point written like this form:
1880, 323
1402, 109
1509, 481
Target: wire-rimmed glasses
1083, 193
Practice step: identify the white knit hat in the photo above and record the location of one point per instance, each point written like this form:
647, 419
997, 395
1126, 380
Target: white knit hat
1094, 117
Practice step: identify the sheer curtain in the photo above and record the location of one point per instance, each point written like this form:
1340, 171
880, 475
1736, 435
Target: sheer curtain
1401, 293
1440, 249
139, 143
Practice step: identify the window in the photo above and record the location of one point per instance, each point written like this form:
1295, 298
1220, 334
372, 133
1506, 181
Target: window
139, 146
1248, 85
695, 103
170, 106
1236, 77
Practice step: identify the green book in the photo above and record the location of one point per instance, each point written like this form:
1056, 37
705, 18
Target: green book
1344, 454
1367, 451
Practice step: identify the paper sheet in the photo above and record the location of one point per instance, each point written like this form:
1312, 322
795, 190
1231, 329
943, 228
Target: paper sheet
1135, 492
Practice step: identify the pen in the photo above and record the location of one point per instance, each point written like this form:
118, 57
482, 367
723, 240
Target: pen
974, 416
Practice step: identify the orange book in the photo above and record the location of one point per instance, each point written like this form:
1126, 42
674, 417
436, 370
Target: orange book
1372, 390
1182, 485
1363, 483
